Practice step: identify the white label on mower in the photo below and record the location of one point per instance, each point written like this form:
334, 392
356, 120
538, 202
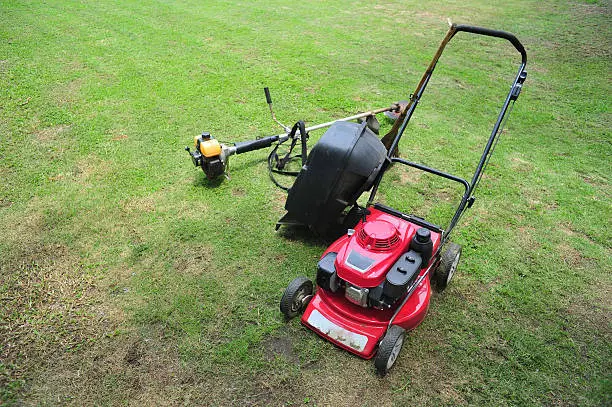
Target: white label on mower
348, 338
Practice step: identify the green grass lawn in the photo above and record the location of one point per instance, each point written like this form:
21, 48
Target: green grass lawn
126, 278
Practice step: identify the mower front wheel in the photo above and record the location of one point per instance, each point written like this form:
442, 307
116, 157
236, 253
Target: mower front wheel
296, 296
447, 267
389, 349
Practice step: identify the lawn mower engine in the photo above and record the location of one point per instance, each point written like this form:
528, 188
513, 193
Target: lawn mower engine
373, 275
377, 262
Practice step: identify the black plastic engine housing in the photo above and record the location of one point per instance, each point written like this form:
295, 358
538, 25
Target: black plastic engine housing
400, 277
327, 278
403, 273
340, 167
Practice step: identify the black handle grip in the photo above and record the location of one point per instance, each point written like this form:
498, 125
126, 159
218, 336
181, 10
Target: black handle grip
496, 33
268, 98
245, 146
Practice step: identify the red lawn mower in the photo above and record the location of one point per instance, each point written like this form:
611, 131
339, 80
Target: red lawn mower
374, 282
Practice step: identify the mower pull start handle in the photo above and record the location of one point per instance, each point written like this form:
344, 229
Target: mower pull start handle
496, 33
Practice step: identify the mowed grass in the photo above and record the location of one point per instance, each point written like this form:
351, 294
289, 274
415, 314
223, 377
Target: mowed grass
127, 278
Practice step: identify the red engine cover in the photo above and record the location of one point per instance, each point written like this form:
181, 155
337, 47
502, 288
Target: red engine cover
377, 244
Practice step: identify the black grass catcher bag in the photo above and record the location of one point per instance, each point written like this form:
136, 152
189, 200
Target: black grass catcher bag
340, 167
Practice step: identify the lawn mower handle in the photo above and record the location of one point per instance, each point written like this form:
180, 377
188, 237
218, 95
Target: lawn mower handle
496, 33
392, 138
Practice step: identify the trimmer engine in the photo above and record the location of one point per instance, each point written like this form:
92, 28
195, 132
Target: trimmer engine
213, 156
209, 154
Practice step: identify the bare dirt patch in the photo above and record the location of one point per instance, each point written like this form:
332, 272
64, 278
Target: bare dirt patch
119, 136
596, 315
520, 165
278, 200
326, 384
590, 315
240, 192
279, 347
567, 230
141, 369
595, 180
5, 203
17, 229
162, 202
91, 168
445, 195
134, 353
145, 204
194, 263
408, 176
586, 9
525, 236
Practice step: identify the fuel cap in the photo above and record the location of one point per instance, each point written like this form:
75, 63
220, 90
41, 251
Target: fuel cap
423, 235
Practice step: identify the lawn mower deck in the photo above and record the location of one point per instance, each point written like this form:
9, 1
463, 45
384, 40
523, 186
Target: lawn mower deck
383, 240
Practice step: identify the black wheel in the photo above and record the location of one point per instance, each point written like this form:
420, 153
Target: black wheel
447, 267
389, 349
296, 296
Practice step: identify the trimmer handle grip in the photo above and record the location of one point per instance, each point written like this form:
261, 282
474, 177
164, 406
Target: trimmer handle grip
268, 97
496, 33
245, 146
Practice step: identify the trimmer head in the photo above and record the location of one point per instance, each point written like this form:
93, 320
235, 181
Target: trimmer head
394, 114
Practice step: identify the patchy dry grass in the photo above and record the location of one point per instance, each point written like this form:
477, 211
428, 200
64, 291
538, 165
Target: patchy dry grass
51, 309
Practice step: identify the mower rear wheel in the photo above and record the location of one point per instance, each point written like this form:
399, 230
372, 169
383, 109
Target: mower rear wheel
389, 349
447, 267
296, 296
